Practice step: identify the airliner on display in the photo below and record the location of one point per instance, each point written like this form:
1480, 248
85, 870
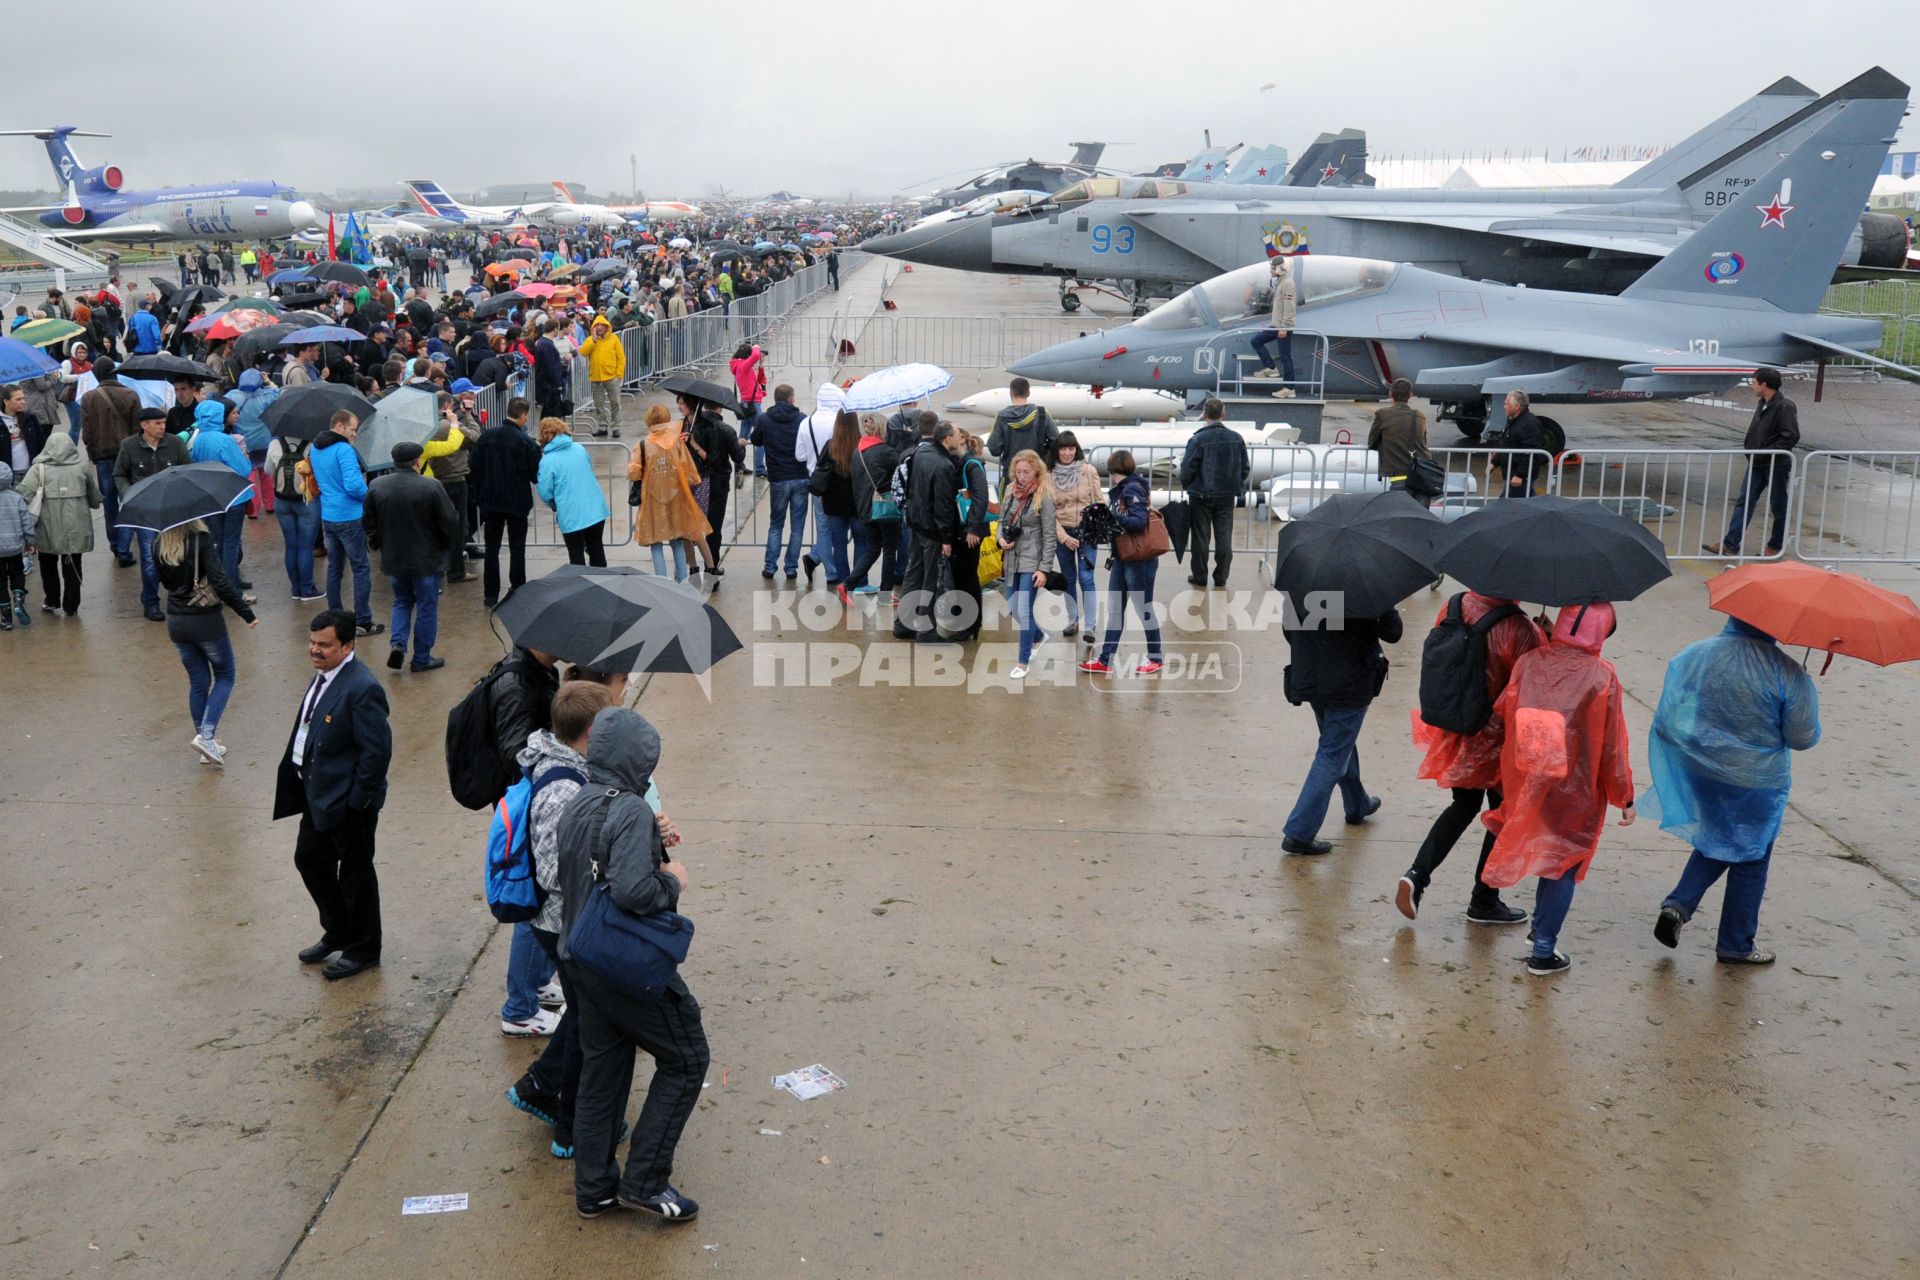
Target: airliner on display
667, 210
95, 207
440, 208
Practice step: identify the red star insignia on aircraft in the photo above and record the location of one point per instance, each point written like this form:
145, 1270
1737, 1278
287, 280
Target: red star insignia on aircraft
1261, 172
1208, 166
1327, 173
1774, 214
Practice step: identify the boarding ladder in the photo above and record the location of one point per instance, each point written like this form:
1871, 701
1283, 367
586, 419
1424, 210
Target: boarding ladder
50, 249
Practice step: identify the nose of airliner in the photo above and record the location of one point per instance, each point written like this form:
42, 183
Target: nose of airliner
965, 244
302, 214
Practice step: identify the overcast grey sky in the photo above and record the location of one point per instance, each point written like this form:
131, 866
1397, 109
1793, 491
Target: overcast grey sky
826, 98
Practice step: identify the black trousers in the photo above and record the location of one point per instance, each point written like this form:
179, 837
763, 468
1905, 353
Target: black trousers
514, 525
612, 1026
60, 576
1212, 522
1446, 832
584, 545
457, 558
966, 578
916, 589
717, 510
337, 867
557, 1069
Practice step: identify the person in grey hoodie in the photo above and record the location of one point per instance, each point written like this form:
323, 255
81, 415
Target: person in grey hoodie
17, 526
611, 814
68, 491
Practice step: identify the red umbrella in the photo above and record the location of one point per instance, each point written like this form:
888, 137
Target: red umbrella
537, 289
1839, 613
231, 324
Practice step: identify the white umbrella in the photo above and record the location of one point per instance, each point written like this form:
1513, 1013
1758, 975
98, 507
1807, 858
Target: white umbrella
679, 242
896, 385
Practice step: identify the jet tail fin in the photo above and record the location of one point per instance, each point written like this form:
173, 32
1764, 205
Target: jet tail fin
1732, 153
1088, 153
561, 193
435, 202
1209, 166
1260, 167
1332, 160
1778, 240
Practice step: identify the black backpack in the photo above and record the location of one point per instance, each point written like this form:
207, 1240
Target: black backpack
474, 772
286, 479
1453, 669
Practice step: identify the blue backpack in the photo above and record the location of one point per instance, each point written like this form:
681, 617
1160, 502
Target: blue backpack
512, 893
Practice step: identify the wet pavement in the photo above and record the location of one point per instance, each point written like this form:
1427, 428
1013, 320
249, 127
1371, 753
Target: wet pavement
1092, 1022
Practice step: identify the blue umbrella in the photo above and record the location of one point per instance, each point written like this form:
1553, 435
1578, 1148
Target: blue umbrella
623, 244
764, 245
791, 247
289, 275
322, 333
21, 360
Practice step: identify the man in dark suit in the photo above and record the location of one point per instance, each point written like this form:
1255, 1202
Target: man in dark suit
334, 775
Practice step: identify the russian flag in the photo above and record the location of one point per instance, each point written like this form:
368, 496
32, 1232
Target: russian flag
260, 211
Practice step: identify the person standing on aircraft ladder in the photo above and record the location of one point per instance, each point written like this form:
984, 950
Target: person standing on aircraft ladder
1280, 330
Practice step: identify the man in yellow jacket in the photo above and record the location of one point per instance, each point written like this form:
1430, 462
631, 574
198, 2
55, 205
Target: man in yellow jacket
606, 366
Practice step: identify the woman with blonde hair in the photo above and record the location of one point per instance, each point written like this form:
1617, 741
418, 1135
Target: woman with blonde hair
189, 571
662, 475
1028, 544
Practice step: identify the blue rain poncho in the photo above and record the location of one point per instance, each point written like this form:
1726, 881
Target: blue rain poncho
1733, 707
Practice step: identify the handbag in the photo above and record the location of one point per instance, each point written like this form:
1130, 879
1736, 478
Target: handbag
637, 955
884, 508
1426, 478
40, 492
1149, 544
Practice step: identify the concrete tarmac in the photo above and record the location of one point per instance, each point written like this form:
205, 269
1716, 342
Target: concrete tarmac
1092, 1022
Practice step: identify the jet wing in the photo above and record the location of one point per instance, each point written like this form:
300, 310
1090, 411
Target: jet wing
113, 231
1839, 350
1635, 359
1650, 238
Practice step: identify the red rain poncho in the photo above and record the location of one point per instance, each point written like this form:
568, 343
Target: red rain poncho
1566, 754
1473, 760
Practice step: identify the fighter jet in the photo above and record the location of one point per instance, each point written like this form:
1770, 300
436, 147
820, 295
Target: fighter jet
1154, 234
1742, 291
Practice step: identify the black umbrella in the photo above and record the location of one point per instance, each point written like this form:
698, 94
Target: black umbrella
166, 287
169, 368
498, 304
618, 620
1375, 549
254, 343
186, 299
685, 384
1551, 551
605, 273
190, 491
301, 299
340, 272
304, 411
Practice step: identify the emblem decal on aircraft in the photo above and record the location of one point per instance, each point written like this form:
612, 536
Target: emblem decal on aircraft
1723, 267
1774, 213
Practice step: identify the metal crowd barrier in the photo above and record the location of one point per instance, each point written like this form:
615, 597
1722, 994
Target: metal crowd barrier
1855, 507
610, 467
1684, 497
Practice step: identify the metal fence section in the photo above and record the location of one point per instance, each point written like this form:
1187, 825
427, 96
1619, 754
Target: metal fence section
1855, 507
824, 345
1684, 497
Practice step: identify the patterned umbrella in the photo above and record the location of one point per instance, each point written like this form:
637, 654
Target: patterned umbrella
231, 324
42, 333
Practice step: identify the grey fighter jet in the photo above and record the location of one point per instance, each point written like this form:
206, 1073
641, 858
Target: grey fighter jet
1742, 291
1153, 235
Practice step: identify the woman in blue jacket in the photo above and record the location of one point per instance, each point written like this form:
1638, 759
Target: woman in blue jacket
1129, 581
568, 485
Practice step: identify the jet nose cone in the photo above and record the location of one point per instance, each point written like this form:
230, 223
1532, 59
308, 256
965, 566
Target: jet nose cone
1077, 360
965, 244
302, 214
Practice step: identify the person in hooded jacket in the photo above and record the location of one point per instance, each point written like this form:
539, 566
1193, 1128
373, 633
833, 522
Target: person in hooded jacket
343, 495
253, 396
1019, 427
809, 446
197, 589
1565, 759
606, 367
68, 491
609, 827
17, 533
1338, 672
1469, 765
567, 484
1732, 712
663, 475
749, 369
211, 443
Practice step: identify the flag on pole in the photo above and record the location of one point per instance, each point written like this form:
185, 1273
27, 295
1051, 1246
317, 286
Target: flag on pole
331, 240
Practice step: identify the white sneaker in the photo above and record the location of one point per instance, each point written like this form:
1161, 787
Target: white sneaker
1265, 373
214, 753
1285, 393
551, 997
542, 1023
1018, 673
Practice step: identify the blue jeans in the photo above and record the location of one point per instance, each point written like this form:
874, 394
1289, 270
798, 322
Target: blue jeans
1083, 604
121, 540
149, 577
659, 550
209, 665
299, 527
347, 540
1551, 898
787, 502
819, 549
528, 969
1023, 596
1739, 909
1336, 762
1264, 341
1763, 473
416, 606
838, 530
1131, 582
